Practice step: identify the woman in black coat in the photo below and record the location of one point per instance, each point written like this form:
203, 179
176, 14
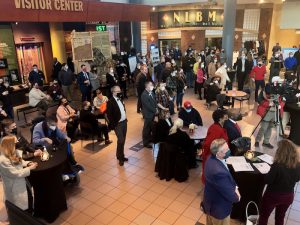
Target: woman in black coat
182, 140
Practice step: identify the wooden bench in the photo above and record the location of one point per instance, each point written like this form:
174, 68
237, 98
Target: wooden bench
27, 109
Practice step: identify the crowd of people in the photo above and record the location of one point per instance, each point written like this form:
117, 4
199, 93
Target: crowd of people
160, 93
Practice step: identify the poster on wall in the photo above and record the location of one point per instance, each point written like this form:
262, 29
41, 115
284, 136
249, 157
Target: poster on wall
82, 48
154, 56
286, 52
3, 64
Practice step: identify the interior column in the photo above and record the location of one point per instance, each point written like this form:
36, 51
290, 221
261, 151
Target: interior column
228, 28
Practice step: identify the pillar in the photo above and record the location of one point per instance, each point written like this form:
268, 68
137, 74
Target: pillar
136, 36
58, 41
228, 28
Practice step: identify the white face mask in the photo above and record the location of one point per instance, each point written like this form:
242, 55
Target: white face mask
66, 68
6, 84
52, 127
35, 70
215, 61
111, 71
225, 66
151, 88
162, 88
276, 55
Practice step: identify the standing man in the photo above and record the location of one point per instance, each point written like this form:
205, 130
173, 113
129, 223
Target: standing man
36, 76
189, 66
258, 74
56, 68
243, 67
220, 190
290, 62
149, 108
84, 83
117, 121
140, 85
66, 78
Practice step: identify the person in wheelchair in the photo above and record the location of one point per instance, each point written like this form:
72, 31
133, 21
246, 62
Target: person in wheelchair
9, 128
46, 133
213, 92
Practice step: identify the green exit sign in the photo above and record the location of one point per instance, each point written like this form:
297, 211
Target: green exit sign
101, 27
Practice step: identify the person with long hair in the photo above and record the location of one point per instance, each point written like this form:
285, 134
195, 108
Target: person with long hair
13, 170
181, 139
281, 180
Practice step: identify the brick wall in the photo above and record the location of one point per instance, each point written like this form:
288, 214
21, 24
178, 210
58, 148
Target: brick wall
196, 38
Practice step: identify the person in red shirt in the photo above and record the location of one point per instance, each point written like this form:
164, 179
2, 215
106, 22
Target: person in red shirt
258, 74
215, 131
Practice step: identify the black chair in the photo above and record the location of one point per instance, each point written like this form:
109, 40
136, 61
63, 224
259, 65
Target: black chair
17, 216
88, 132
245, 98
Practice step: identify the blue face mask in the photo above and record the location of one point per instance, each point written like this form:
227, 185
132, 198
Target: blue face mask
227, 154
188, 110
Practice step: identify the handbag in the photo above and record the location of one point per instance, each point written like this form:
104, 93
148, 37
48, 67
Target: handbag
252, 219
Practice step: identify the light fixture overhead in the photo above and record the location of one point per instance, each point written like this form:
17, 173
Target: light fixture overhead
153, 8
261, 1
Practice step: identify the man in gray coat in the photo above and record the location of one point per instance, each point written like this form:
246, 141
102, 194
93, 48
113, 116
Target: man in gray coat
149, 109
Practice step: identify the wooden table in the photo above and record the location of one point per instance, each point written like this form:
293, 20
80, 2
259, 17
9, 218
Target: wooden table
234, 94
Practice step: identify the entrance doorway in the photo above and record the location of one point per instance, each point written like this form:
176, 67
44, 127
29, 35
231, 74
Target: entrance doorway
28, 55
171, 43
212, 42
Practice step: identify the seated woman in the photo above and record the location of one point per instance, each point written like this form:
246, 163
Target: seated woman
100, 102
55, 91
67, 120
181, 139
9, 128
88, 117
214, 92
13, 170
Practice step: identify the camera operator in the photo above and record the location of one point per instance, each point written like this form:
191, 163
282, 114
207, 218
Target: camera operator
267, 111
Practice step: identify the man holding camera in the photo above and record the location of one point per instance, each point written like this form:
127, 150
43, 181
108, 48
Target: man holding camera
267, 110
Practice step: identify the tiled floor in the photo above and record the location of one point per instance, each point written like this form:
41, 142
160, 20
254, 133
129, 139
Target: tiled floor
110, 194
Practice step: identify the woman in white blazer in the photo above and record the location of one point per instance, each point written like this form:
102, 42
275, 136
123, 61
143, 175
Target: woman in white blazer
13, 170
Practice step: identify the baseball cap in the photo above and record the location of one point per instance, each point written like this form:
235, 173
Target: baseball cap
187, 104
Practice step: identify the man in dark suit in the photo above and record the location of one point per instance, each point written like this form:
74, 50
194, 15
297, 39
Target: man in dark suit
111, 80
84, 83
117, 120
56, 68
220, 190
140, 85
233, 130
243, 68
149, 109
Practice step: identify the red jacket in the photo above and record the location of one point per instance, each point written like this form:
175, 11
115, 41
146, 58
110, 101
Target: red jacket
258, 73
214, 132
265, 105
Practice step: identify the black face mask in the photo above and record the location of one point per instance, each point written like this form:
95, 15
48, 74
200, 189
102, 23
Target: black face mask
89, 108
120, 95
65, 104
14, 131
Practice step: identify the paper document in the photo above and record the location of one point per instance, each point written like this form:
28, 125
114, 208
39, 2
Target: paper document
267, 158
239, 167
262, 167
236, 159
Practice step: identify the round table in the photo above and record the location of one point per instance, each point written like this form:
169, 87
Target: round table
251, 186
47, 183
234, 94
294, 111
